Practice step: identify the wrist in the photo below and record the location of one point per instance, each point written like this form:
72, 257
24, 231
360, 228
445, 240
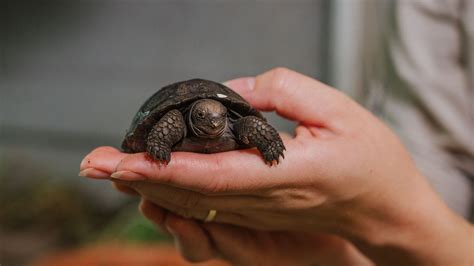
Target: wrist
419, 229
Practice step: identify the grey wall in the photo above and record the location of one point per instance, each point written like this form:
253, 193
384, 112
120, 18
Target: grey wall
72, 73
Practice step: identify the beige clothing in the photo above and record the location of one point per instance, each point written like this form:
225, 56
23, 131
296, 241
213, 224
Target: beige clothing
432, 105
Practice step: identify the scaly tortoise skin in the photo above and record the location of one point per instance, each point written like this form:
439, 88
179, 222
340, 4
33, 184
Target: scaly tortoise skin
200, 116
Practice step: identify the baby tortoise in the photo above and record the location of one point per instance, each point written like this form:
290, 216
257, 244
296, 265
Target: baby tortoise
200, 116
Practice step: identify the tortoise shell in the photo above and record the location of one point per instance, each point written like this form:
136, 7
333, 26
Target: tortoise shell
179, 96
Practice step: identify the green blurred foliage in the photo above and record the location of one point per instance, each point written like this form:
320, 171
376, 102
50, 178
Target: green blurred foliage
41, 213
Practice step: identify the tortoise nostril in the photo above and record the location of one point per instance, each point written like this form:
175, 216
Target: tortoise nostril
214, 123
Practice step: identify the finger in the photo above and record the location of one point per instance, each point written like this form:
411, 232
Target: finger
94, 173
292, 95
200, 214
192, 200
154, 213
103, 161
239, 210
190, 239
209, 174
103, 158
215, 174
125, 189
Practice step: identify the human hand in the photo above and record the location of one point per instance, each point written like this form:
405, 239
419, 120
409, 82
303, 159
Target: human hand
345, 173
199, 242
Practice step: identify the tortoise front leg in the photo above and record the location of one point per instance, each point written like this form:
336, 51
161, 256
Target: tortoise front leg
256, 132
165, 134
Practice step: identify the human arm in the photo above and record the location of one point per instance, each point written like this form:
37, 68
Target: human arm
344, 173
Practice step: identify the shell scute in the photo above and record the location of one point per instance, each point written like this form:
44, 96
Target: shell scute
178, 96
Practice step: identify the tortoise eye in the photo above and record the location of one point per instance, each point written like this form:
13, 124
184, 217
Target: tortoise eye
200, 114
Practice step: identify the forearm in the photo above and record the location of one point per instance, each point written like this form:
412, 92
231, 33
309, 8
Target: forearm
420, 230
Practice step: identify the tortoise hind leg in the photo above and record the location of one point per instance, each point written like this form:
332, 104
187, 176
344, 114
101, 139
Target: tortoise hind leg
169, 130
256, 132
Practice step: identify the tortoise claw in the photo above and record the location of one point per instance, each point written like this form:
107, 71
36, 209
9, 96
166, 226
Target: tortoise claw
160, 154
273, 151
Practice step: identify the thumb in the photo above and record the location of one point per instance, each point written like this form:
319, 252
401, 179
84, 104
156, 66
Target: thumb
291, 95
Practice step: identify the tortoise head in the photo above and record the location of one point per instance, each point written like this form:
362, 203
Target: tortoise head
208, 118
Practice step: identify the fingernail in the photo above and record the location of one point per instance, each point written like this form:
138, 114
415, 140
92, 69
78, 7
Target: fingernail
251, 83
127, 175
86, 172
171, 230
93, 173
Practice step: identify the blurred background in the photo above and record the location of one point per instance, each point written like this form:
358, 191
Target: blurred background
73, 73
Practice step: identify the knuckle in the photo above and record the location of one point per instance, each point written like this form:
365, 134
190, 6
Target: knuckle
280, 81
280, 71
279, 78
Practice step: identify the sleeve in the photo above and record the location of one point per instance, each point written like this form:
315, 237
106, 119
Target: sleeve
429, 53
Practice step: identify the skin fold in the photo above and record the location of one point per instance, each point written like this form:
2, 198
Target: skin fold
347, 192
